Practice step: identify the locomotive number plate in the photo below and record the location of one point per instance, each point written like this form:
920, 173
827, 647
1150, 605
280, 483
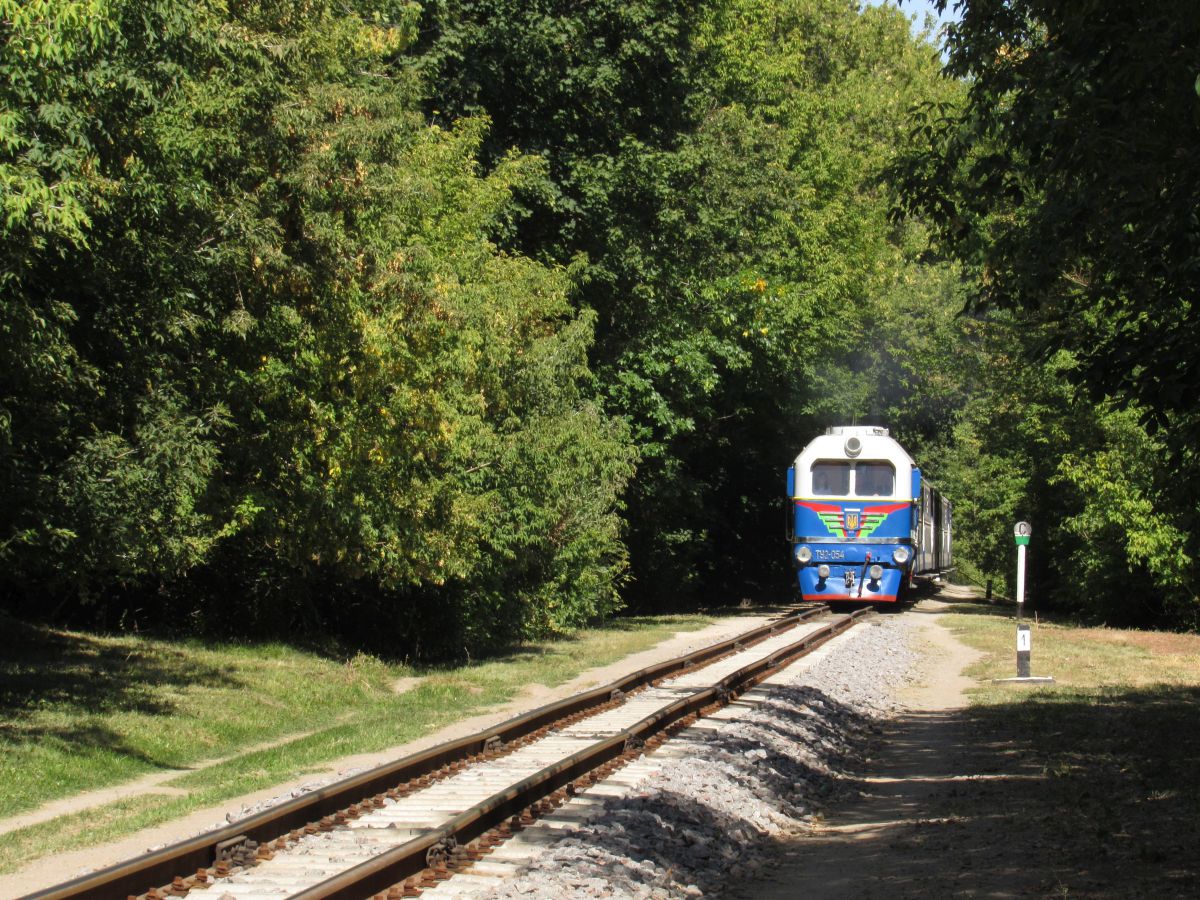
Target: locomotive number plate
829, 554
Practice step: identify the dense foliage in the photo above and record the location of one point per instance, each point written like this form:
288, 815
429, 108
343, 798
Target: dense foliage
718, 172
453, 323
1067, 186
266, 362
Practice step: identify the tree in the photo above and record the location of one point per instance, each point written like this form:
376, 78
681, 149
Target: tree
1068, 186
269, 369
106, 457
1066, 180
717, 166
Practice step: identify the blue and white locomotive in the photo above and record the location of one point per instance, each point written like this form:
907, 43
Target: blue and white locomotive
863, 522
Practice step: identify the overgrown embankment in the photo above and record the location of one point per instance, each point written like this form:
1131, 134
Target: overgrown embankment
82, 711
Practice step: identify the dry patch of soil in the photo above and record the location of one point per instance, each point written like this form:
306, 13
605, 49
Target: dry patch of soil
405, 684
1157, 642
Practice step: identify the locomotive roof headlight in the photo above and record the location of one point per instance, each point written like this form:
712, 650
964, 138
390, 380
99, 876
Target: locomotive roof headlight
876, 572
900, 555
823, 570
803, 554
853, 446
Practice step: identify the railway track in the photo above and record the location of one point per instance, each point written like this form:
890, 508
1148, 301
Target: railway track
403, 828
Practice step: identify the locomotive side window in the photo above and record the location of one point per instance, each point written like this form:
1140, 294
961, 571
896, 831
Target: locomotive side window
830, 479
874, 479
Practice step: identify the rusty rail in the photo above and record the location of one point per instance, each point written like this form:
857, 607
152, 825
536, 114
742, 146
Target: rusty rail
161, 867
389, 868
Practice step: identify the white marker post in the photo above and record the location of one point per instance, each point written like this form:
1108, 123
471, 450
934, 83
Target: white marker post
1022, 532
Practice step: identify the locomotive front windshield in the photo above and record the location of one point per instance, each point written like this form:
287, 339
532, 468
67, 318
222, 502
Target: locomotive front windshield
832, 478
874, 479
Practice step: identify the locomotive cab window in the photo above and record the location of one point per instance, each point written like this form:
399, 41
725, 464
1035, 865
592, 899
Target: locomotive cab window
874, 479
831, 479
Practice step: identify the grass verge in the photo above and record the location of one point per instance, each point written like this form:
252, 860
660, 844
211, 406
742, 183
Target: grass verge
1105, 763
81, 711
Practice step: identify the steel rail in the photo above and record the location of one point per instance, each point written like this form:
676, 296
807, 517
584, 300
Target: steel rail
159, 868
390, 868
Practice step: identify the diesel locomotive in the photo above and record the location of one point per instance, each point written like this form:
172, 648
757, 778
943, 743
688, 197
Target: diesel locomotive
863, 523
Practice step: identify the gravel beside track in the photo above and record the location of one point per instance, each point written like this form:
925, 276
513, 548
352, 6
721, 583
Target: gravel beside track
701, 813
395, 821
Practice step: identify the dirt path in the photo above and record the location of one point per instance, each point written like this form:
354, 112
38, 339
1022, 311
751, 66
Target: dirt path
1045, 799
896, 839
43, 873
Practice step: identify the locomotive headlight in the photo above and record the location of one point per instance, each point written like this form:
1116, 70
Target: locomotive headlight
876, 572
823, 570
900, 555
803, 554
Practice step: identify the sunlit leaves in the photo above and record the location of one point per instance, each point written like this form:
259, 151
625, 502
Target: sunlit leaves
1067, 186
265, 347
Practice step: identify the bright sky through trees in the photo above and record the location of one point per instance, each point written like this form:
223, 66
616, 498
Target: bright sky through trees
918, 10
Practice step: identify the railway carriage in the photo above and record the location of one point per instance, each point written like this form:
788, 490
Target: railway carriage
863, 522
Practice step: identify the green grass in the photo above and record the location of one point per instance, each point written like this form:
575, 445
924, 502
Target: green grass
1113, 748
83, 711
1082, 659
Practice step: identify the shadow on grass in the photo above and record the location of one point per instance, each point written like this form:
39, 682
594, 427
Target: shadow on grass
44, 671
1058, 793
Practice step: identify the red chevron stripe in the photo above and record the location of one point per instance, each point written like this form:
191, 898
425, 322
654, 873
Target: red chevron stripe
820, 507
886, 509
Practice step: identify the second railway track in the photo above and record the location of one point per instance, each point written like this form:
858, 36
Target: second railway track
404, 827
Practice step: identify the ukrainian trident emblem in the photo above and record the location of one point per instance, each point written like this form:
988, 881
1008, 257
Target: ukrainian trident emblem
853, 523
